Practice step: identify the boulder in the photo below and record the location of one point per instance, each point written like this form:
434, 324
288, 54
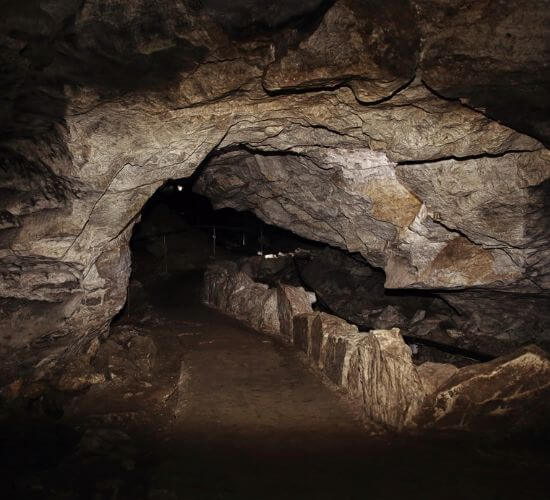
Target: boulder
302, 325
433, 375
235, 293
340, 345
219, 281
382, 374
374, 48
488, 395
390, 317
325, 326
292, 301
256, 305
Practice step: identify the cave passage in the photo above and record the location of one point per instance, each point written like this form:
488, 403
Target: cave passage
274, 249
198, 405
180, 230
229, 413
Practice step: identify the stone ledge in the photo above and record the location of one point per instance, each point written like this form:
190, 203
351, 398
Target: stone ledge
376, 367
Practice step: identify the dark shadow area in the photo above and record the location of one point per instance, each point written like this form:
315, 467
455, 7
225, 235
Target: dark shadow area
180, 230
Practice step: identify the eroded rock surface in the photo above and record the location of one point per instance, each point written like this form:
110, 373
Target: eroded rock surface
376, 369
291, 302
382, 374
230, 290
326, 118
495, 393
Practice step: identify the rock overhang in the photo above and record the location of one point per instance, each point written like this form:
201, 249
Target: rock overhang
106, 101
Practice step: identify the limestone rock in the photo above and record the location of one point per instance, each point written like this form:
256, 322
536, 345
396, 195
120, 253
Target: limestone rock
102, 102
357, 42
341, 344
496, 209
390, 317
258, 306
382, 374
325, 326
235, 293
495, 393
420, 228
430, 226
291, 302
434, 375
469, 42
302, 326
216, 280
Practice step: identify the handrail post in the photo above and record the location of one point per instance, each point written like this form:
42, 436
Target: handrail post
214, 241
165, 254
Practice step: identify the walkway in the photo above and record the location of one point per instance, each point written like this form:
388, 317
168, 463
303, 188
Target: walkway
231, 414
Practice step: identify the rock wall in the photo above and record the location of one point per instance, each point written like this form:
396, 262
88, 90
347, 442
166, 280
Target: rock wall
266, 309
375, 368
350, 114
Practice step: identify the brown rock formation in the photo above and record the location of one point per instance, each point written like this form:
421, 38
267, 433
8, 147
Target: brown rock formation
376, 369
382, 374
495, 393
302, 113
291, 302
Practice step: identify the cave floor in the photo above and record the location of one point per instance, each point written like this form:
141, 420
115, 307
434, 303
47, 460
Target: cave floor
229, 413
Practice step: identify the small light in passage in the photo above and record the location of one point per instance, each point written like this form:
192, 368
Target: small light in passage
180, 187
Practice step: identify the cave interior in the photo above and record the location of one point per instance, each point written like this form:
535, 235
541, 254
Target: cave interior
275, 250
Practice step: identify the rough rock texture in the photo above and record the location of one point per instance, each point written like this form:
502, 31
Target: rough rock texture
483, 53
376, 367
234, 292
480, 224
354, 290
325, 326
434, 375
374, 50
495, 393
291, 302
489, 322
412, 232
340, 345
382, 373
102, 101
302, 325
269, 310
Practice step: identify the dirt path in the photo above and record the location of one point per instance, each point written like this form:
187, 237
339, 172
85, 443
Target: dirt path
230, 414
254, 421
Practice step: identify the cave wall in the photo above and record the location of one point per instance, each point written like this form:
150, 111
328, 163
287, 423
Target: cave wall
339, 120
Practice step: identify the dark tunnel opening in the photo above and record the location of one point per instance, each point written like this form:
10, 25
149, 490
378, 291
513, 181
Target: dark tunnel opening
180, 231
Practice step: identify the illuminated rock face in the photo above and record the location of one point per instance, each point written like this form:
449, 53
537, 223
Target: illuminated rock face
327, 119
375, 368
